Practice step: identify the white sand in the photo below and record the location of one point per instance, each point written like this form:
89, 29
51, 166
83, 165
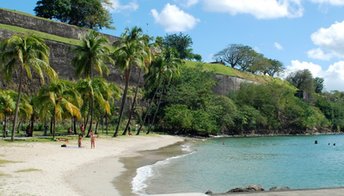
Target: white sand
71, 170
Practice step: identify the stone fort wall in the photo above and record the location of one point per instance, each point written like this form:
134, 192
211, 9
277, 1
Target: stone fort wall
61, 54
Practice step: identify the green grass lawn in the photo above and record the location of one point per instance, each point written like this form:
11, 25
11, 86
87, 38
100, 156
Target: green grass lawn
46, 36
225, 70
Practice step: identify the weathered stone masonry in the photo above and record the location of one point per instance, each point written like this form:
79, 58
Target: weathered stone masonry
61, 54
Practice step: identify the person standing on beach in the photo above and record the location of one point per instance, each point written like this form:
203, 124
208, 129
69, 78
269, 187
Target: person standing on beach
93, 139
79, 140
82, 129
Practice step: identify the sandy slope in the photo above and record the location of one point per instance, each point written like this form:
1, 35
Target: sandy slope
71, 170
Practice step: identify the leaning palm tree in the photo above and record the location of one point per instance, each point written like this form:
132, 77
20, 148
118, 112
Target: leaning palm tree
57, 99
160, 74
148, 57
24, 54
130, 51
92, 55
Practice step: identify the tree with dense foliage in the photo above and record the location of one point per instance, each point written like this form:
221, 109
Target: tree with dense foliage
182, 44
191, 94
84, 13
275, 67
130, 52
233, 55
22, 55
278, 108
302, 80
164, 67
331, 105
247, 59
53, 9
319, 84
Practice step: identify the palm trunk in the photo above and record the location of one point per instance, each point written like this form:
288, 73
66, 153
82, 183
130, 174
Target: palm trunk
54, 125
124, 97
87, 116
156, 112
17, 104
51, 125
91, 120
74, 125
132, 105
106, 124
5, 126
148, 110
96, 129
32, 124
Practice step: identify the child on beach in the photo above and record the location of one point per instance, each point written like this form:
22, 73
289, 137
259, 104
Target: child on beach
93, 139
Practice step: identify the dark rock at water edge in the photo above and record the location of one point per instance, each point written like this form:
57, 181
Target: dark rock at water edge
250, 188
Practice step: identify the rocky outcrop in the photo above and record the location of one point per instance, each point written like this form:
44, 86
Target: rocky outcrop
250, 188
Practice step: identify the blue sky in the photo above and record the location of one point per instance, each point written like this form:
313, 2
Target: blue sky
300, 33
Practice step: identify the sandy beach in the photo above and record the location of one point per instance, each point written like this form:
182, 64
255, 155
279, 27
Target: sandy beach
47, 169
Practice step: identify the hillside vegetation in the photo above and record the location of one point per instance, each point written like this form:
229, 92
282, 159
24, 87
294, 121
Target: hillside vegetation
228, 71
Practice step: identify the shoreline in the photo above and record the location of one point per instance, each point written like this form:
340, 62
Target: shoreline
52, 170
47, 169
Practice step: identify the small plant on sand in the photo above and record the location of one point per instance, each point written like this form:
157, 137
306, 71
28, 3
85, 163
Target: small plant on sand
28, 170
3, 161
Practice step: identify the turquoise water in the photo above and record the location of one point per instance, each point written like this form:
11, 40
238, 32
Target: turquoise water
225, 163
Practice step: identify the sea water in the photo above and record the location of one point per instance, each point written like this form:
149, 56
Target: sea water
224, 163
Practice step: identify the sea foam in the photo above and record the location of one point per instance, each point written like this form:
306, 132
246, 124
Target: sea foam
139, 184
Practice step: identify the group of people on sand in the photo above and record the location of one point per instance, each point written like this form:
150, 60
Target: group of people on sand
82, 134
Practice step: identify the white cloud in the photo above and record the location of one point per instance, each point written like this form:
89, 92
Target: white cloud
331, 2
173, 19
117, 6
261, 9
187, 3
297, 65
329, 39
334, 78
319, 54
333, 75
278, 46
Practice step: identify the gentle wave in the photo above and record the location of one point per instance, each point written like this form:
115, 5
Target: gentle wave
144, 173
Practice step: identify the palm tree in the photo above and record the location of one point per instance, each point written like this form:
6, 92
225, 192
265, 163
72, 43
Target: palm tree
130, 51
141, 68
22, 54
160, 74
95, 90
7, 106
57, 99
92, 55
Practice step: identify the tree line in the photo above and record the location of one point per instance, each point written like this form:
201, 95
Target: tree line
190, 107
245, 58
91, 99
